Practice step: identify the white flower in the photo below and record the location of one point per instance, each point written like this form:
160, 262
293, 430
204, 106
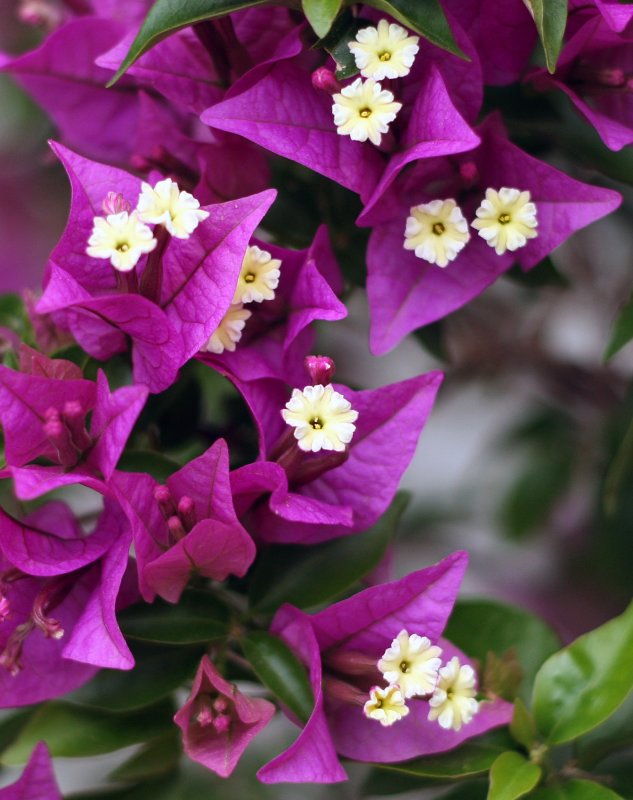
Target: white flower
322, 418
122, 238
385, 705
412, 663
259, 277
229, 331
384, 52
436, 231
453, 703
363, 110
166, 205
506, 219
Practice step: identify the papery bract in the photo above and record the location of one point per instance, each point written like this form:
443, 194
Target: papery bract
211, 541
406, 292
212, 701
352, 495
37, 782
364, 624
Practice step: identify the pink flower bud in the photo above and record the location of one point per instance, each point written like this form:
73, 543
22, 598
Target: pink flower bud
320, 369
187, 512
163, 497
115, 203
324, 80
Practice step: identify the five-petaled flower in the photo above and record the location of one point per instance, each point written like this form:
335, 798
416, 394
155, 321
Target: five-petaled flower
322, 418
386, 51
166, 204
506, 219
363, 110
122, 238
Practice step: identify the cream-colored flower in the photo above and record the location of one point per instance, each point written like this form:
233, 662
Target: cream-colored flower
385, 705
386, 51
259, 277
322, 418
453, 703
437, 231
506, 219
167, 205
122, 238
412, 663
363, 110
229, 331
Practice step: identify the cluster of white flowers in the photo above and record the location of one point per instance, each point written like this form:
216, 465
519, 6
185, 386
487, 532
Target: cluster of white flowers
412, 667
259, 277
363, 110
321, 417
124, 236
437, 231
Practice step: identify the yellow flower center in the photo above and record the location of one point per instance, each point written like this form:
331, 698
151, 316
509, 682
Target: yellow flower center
404, 666
438, 228
123, 247
365, 112
316, 423
386, 56
249, 277
504, 218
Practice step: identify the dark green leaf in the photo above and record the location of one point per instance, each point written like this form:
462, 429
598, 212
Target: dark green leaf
544, 273
157, 673
583, 684
577, 790
278, 668
512, 776
168, 16
321, 14
12, 313
523, 727
550, 17
308, 576
470, 759
622, 330
12, 723
614, 734
426, 17
155, 464
482, 626
73, 731
336, 43
154, 758
197, 618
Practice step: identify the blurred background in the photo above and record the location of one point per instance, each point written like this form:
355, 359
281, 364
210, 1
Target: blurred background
527, 460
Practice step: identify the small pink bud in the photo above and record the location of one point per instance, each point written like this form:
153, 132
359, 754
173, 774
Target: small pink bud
5, 608
115, 203
324, 80
220, 704
74, 416
40, 13
320, 369
176, 529
612, 77
163, 497
204, 716
187, 512
221, 723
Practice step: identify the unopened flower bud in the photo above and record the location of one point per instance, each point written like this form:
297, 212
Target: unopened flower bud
324, 80
114, 203
320, 369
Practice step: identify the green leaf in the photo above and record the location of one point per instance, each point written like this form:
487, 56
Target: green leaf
12, 723
550, 17
473, 758
512, 776
278, 668
12, 313
545, 273
523, 727
583, 684
157, 465
614, 734
73, 731
482, 626
622, 330
343, 31
306, 577
577, 790
197, 618
321, 14
156, 757
425, 17
168, 16
158, 672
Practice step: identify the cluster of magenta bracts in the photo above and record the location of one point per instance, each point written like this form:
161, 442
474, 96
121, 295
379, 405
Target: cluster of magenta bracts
204, 117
